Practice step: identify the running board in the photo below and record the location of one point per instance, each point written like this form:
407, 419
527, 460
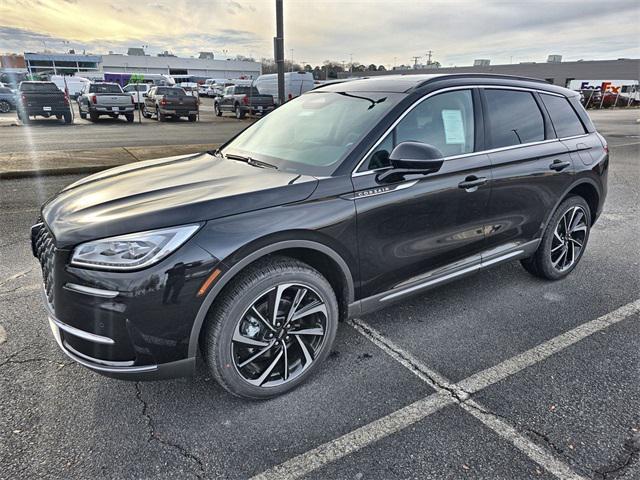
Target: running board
428, 281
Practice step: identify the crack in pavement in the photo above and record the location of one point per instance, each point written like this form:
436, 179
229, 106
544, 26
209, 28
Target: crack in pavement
629, 453
153, 435
16, 276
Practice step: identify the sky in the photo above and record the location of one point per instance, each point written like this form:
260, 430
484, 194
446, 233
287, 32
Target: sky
386, 32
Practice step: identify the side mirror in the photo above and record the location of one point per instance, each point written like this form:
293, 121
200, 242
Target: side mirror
411, 158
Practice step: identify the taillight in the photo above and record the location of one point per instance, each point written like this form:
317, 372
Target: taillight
290, 96
94, 99
163, 101
245, 100
66, 99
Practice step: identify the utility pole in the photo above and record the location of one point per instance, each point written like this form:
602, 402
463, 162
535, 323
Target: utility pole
415, 62
429, 52
278, 48
351, 63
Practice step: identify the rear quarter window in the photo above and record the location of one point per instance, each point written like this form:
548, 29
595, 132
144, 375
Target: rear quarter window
514, 118
564, 118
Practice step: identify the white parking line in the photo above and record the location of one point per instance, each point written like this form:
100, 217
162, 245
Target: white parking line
448, 394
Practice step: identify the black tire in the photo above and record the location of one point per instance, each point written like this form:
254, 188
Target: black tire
541, 264
83, 115
68, 119
129, 117
239, 113
216, 107
193, 118
232, 306
145, 112
161, 117
59, 116
5, 106
93, 116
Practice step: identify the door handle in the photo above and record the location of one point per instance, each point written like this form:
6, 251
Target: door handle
472, 182
559, 165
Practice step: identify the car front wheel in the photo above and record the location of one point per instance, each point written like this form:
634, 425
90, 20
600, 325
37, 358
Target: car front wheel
4, 106
563, 242
270, 329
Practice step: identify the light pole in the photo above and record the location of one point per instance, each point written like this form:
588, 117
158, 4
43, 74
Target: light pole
278, 47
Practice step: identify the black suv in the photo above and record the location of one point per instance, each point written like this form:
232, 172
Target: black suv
340, 202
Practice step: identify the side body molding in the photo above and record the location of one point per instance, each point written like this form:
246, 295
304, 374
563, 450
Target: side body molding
235, 269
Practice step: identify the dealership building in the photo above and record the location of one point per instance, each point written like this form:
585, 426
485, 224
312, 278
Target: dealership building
180, 66
553, 71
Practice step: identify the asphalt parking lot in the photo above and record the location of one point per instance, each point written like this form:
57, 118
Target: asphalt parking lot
498, 376
52, 134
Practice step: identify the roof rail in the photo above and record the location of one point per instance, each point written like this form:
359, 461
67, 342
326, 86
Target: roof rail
486, 75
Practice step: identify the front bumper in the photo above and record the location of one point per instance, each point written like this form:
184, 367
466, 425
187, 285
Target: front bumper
122, 370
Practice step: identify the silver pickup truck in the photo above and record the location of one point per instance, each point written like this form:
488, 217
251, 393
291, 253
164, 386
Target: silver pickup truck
101, 98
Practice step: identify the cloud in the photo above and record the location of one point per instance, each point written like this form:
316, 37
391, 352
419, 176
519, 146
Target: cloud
373, 31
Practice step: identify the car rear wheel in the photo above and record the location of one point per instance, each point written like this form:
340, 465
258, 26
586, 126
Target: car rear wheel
563, 242
216, 107
161, 117
270, 329
4, 106
239, 113
67, 118
93, 116
129, 117
145, 112
192, 118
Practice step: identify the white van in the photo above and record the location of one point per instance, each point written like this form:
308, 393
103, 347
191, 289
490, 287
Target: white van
74, 84
295, 84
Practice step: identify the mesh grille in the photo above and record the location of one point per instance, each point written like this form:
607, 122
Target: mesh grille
45, 250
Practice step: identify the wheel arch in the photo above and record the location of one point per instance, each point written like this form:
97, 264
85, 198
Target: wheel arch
318, 255
585, 188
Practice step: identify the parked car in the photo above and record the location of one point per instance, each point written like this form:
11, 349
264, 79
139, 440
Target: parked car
74, 85
340, 202
7, 100
102, 98
166, 102
295, 84
137, 92
42, 99
241, 100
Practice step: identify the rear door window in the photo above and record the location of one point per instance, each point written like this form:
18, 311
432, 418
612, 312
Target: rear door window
564, 118
514, 118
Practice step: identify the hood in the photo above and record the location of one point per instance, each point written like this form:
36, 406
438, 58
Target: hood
167, 192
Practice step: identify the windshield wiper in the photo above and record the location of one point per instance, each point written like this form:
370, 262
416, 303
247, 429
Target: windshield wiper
251, 161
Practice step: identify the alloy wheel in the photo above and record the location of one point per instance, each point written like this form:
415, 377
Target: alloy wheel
568, 238
4, 106
280, 335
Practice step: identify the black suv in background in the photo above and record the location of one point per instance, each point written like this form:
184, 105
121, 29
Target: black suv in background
348, 198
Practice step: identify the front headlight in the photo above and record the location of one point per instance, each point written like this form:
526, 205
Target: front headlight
131, 251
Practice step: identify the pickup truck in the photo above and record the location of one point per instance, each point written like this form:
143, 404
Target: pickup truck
166, 102
101, 98
42, 99
240, 100
138, 92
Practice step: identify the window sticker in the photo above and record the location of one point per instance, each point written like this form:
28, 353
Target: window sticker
453, 127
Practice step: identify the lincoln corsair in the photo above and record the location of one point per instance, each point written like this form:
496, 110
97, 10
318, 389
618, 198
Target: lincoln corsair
346, 199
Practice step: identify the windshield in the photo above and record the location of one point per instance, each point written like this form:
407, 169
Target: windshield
38, 87
313, 133
170, 91
105, 88
246, 91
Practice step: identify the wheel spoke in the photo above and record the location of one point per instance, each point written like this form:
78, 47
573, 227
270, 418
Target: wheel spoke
577, 220
575, 242
556, 248
556, 234
261, 379
261, 318
318, 307
296, 303
579, 228
253, 357
307, 356
275, 297
308, 331
238, 337
286, 360
562, 255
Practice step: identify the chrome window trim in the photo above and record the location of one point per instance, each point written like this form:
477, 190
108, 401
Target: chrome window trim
355, 173
96, 292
